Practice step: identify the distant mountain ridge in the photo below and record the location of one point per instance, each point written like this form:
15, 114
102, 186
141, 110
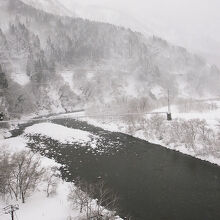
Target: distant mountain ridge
50, 6
201, 39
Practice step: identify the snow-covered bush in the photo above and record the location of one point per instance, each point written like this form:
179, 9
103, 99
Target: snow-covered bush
157, 125
195, 135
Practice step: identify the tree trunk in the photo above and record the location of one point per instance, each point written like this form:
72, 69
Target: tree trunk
23, 197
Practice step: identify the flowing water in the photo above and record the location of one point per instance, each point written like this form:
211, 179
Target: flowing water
152, 182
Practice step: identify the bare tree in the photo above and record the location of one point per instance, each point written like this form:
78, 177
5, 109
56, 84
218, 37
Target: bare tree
52, 179
106, 200
80, 197
95, 199
157, 125
25, 174
4, 173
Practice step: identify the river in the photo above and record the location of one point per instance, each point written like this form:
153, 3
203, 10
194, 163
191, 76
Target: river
153, 183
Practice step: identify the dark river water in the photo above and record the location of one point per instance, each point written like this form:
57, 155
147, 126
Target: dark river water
152, 182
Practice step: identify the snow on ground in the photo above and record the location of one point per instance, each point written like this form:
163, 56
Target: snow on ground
54, 208
13, 144
38, 206
68, 77
61, 133
212, 118
18, 144
157, 91
74, 114
20, 78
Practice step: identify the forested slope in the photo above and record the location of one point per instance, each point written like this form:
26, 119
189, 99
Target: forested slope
51, 64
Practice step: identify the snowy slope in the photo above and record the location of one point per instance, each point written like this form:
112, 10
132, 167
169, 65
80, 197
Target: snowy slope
91, 12
113, 16
148, 23
155, 64
50, 6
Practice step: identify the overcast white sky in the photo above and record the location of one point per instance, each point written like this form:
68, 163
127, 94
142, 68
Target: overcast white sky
185, 11
194, 24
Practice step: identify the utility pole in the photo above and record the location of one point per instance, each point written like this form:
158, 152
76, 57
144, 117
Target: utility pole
169, 115
168, 100
10, 209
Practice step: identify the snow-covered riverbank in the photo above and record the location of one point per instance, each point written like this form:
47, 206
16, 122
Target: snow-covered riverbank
136, 128
38, 206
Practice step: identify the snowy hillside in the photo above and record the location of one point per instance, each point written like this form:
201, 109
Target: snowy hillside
91, 12
150, 21
50, 6
111, 16
55, 64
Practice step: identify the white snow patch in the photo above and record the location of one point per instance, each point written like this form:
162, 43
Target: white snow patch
20, 78
61, 133
18, 144
68, 77
157, 91
39, 207
90, 75
212, 117
13, 144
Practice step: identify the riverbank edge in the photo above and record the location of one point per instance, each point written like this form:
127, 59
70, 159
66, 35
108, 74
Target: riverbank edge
139, 134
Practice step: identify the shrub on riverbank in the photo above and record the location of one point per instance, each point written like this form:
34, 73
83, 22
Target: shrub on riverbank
194, 135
